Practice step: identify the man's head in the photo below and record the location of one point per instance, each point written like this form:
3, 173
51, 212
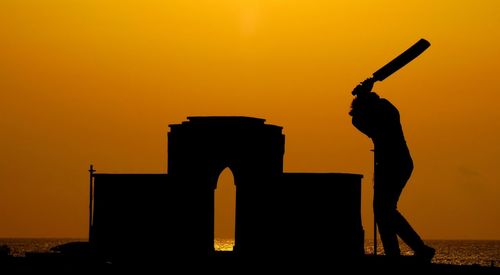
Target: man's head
364, 104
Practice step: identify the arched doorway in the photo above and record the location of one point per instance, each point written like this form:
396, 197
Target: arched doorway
224, 211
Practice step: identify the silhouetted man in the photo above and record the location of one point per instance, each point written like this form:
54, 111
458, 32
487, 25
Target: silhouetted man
378, 119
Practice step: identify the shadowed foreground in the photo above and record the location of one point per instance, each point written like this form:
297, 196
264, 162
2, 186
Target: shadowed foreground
82, 260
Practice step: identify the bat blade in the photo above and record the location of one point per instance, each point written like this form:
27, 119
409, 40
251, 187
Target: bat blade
401, 60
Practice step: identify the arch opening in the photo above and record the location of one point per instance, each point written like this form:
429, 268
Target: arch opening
225, 211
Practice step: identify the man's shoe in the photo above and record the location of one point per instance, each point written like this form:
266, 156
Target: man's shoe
426, 253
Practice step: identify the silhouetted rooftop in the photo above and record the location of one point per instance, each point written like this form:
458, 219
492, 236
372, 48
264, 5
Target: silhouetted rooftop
224, 119
224, 122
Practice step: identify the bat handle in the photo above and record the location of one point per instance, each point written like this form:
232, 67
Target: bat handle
364, 87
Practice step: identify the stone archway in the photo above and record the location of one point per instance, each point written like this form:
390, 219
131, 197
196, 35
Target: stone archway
200, 148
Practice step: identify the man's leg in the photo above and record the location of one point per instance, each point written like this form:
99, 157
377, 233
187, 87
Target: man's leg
406, 232
384, 206
412, 239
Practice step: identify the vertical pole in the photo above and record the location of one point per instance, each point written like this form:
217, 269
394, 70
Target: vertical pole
374, 236
374, 216
91, 198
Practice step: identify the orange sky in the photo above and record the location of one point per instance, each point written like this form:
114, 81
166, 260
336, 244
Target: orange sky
96, 81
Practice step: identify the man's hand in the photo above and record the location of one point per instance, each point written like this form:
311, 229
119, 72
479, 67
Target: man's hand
364, 87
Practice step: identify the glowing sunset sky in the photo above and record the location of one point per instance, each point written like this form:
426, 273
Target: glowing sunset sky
98, 81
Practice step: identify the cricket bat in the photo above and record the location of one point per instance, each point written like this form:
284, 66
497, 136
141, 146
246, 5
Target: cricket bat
397, 63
